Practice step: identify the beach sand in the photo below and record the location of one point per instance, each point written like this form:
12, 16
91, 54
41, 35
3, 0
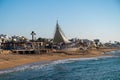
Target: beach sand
13, 60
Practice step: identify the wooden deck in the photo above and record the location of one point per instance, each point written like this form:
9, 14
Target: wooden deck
31, 51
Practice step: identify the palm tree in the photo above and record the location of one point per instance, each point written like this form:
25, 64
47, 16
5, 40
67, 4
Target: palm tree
33, 33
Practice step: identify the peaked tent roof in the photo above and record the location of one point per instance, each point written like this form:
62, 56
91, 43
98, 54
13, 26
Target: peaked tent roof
59, 35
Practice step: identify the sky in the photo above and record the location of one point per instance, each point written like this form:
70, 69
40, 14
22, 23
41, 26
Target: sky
83, 19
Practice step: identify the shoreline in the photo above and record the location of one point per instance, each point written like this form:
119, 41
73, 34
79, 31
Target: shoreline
40, 65
12, 61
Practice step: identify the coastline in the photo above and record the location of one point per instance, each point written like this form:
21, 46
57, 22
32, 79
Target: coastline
14, 60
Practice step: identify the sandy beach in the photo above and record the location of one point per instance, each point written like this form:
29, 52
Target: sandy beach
13, 60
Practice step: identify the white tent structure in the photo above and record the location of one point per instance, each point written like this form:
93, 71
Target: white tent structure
59, 35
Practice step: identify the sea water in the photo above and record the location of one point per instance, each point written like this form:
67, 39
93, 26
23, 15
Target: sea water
95, 68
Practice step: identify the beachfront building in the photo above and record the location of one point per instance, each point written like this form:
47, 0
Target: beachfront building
59, 36
85, 43
9, 43
16, 38
112, 45
4, 38
98, 43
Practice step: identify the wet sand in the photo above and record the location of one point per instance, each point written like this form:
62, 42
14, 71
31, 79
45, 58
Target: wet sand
13, 60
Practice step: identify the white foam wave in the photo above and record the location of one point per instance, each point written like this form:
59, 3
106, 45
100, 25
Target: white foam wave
70, 60
24, 67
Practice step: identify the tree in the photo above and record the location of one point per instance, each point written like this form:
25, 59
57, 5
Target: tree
97, 42
33, 33
42, 39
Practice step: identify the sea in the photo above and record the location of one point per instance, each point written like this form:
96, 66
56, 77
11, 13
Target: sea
94, 68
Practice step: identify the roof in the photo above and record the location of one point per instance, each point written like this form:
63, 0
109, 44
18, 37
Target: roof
59, 36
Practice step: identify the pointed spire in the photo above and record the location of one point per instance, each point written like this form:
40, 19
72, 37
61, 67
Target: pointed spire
57, 25
57, 21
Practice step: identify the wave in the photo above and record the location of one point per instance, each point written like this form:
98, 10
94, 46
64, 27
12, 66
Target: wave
24, 67
40, 65
69, 60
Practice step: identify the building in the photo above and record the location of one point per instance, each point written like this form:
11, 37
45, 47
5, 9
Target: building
59, 36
